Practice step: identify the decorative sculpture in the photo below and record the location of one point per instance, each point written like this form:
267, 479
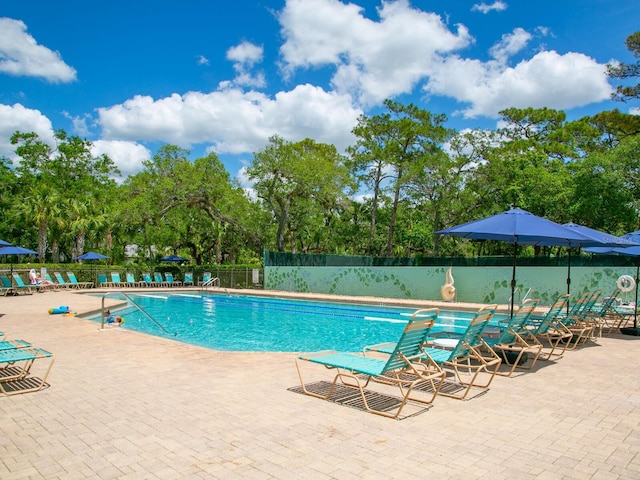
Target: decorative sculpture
448, 291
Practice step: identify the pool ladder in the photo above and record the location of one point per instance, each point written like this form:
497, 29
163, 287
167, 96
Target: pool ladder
213, 282
135, 304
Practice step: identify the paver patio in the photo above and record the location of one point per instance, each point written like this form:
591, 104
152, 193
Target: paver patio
123, 405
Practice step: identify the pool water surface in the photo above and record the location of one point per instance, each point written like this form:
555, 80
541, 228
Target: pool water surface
245, 323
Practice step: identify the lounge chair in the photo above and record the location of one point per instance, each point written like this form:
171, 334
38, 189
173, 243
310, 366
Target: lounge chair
23, 287
15, 367
511, 345
131, 280
187, 281
206, 278
148, 281
550, 330
103, 281
7, 287
462, 356
158, 280
13, 344
61, 281
170, 282
581, 323
116, 281
406, 367
54, 285
74, 281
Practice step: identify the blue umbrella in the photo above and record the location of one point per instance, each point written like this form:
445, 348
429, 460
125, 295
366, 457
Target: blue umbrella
4, 244
630, 252
14, 250
91, 256
173, 258
520, 228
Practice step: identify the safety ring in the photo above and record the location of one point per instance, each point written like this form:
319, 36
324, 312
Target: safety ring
626, 283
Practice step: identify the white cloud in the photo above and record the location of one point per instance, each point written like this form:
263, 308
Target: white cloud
231, 120
510, 44
497, 6
245, 56
128, 156
202, 60
373, 60
17, 118
546, 80
21, 56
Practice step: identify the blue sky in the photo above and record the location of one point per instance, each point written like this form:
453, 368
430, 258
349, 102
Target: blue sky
223, 76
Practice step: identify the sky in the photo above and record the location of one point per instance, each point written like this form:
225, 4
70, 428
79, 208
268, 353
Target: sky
223, 76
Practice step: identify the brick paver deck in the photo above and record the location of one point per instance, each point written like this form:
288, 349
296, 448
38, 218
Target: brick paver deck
123, 405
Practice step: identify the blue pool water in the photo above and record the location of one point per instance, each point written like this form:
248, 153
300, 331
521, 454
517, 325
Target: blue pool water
245, 323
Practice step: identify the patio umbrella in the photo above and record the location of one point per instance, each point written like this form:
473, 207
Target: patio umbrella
631, 252
14, 250
173, 258
4, 244
520, 227
91, 256
605, 239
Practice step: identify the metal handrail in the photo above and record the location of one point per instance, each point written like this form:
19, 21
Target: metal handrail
142, 310
211, 282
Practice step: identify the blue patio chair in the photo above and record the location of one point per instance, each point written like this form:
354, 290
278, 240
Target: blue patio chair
158, 280
131, 280
462, 356
116, 281
188, 279
206, 278
406, 367
148, 281
103, 281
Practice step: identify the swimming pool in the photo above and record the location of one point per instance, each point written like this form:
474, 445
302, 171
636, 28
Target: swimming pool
267, 324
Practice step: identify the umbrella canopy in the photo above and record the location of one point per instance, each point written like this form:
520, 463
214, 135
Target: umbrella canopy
4, 244
520, 227
91, 256
173, 258
630, 252
14, 250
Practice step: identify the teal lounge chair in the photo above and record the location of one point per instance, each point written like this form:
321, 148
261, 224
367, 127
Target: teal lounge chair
188, 279
13, 344
74, 281
148, 281
23, 287
462, 356
550, 330
16, 365
169, 281
61, 281
206, 278
7, 288
54, 285
116, 281
512, 346
131, 280
158, 280
406, 367
103, 281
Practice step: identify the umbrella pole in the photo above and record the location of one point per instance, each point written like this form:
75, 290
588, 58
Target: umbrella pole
635, 331
568, 277
513, 278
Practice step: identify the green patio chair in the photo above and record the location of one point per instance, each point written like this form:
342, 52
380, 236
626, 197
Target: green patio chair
550, 330
148, 281
16, 365
187, 281
131, 280
116, 281
169, 281
158, 280
103, 281
22, 287
7, 287
406, 368
465, 357
61, 281
206, 278
74, 281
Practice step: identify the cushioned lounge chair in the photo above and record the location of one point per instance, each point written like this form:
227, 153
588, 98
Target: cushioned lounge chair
131, 280
188, 279
515, 350
158, 280
550, 330
74, 281
16, 366
22, 287
463, 356
103, 281
61, 281
116, 281
406, 367
170, 282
